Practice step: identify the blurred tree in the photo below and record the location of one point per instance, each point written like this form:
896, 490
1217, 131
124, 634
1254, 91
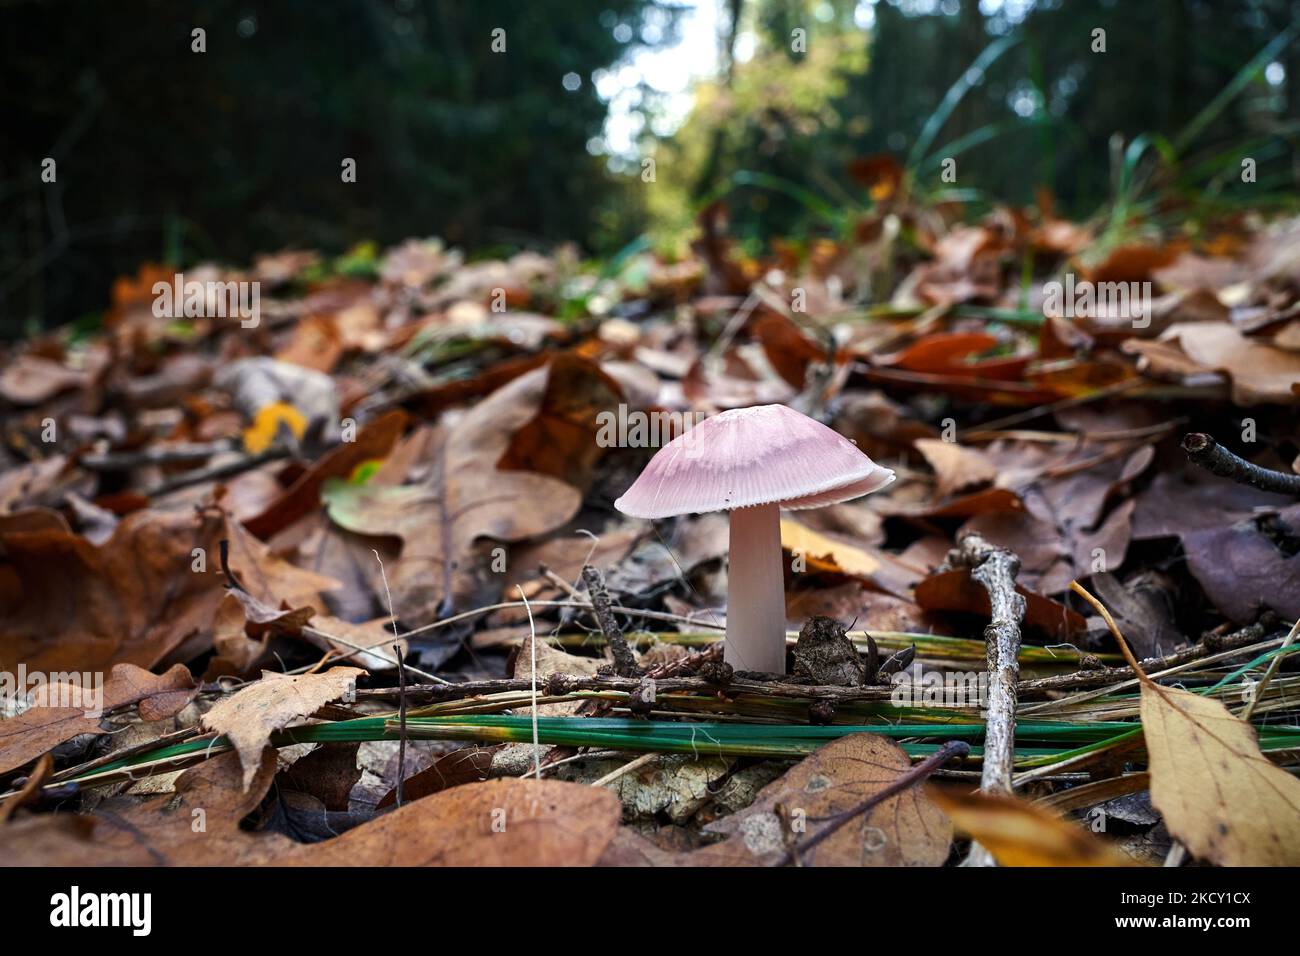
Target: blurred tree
1044, 112
163, 151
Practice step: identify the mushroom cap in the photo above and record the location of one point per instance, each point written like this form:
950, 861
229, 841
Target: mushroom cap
767, 454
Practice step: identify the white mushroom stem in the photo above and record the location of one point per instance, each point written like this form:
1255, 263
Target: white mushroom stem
756, 591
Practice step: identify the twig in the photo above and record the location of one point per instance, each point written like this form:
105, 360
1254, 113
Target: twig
559, 684
155, 455
952, 748
636, 764
1104, 676
624, 659
532, 676
401, 724
582, 605
216, 472
995, 570
1203, 450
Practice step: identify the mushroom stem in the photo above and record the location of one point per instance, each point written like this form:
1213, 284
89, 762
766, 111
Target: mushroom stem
756, 591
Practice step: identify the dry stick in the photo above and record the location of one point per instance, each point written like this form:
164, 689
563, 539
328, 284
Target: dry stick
636, 764
532, 643
568, 683
1203, 450
953, 748
1105, 676
624, 659
165, 455
995, 570
401, 724
216, 472
582, 605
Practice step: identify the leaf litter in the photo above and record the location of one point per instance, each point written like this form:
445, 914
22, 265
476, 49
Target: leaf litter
203, 529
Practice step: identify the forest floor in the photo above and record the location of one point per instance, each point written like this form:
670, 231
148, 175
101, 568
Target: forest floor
292, 557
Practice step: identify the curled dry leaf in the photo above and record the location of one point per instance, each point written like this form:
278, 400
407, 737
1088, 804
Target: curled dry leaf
1260, 373
249, 716
46, 724
827, 552
1019, 833
153, 587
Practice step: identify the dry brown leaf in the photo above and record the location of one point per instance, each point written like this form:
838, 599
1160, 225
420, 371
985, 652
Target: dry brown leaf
303, 496
466, 499
1219, 795
30, 380
1260, 373
43, 726
561, 439
903, 830
198, 825
824, 552
955, 591
495, 823
67, 604
467, 765
956, 468
249, 716
1019, 833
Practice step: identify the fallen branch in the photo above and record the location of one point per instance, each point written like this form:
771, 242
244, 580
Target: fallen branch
624, 659
995, 570
560, 684
217, 472
1203, 450
1104, 676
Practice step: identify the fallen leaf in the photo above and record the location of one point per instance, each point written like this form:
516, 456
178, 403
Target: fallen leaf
825, 552
47, 723
1019, 833
467, 765
250, 715
561, 439
154, 586
495, 823
956, 468
956, 591
1260, 372
903, 830
1219, 795
467, 498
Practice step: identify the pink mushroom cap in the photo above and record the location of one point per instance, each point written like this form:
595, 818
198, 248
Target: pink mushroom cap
767, 454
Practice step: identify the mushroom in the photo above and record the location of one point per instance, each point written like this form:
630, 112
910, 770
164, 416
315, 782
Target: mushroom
753, 462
